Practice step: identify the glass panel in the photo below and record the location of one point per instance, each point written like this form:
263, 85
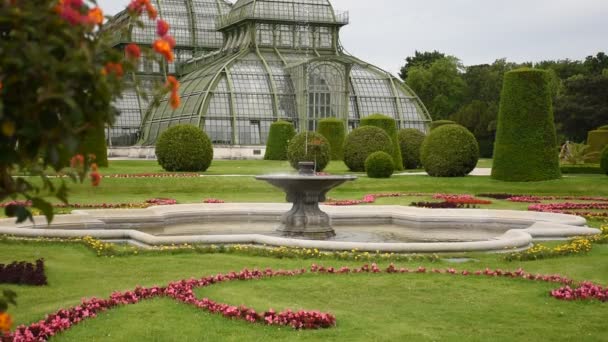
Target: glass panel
325, 92
219, 131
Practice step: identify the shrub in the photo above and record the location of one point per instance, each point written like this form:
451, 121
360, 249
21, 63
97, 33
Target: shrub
335, 132
318, 150
389, 125
526, 144
449, 151
281, 132
597, 140
439, 123
362, 142
604, 160
23, 273
410, 141
184, 148
379, 165
94, 142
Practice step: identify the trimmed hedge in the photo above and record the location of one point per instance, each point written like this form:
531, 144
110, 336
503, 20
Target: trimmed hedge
184, 148
597, 140
281, 132
318, 150
587, 169
449, 151
410, 141
94, 142
604, 160
362, 142
334, 130
379, 165
526, 144
389, 125
439, 123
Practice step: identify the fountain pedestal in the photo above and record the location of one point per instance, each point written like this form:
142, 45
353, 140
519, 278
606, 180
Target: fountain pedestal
306, 191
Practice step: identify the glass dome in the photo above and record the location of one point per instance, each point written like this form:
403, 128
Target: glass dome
193, 25
290, 68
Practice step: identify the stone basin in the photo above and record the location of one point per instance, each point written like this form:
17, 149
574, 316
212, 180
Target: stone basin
440, 230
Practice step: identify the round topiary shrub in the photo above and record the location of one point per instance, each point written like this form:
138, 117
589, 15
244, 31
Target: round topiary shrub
362, 142
318, 150
449, 151
604, 160
184, 148
94, 142
379, 165
439, 123
334, 130
281, 132
410, 141
526, 145
389, 125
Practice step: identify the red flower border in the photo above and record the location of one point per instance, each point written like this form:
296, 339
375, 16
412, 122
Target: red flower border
183, 291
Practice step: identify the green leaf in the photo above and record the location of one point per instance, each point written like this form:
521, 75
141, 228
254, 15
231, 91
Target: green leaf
3, 305
45, 207
18, 211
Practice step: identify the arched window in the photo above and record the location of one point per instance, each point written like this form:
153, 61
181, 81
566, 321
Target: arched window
325, 92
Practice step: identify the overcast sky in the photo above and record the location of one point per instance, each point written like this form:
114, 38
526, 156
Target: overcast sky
384, 32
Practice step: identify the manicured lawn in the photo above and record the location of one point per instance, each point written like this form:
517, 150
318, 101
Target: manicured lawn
368, 307
245, 188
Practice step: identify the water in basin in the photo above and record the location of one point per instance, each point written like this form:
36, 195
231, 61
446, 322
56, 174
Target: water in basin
387, 232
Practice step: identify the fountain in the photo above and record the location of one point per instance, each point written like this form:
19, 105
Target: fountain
306, 190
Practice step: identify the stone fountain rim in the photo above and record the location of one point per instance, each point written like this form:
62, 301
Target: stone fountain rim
98, 223
306, 177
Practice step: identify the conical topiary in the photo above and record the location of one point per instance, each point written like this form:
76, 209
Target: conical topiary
526, 145
281, 132
334, 130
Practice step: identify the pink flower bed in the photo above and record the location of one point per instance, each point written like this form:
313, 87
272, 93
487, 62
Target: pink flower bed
370, 198
152, 175
183, 291
572, 208
213, 201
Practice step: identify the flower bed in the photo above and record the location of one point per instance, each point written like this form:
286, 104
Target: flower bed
152, 175
183, 291
23, 273
576, 246
581, 209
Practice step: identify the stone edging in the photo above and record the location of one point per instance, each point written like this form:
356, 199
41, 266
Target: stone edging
121, 224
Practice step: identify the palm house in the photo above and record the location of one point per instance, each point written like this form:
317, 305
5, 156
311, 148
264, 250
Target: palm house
265, 60
193, 25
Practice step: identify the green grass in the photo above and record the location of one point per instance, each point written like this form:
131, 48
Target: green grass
368, 307
233, 167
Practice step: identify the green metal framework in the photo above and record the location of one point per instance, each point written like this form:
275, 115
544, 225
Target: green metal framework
281, 59
193, 27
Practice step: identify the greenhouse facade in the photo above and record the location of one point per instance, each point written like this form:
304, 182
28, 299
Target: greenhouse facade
278, 59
